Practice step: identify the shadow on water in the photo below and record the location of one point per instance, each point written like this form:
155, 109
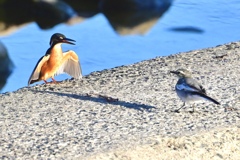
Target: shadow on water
125, 16
100, 99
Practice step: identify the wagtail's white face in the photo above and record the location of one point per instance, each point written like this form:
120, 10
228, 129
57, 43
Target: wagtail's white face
182, 73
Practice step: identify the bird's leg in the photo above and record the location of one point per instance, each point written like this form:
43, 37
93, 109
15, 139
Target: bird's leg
54, 81
193, 106
177, 110
48, 82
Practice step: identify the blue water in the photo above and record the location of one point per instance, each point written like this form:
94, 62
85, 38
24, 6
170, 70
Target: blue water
100, 47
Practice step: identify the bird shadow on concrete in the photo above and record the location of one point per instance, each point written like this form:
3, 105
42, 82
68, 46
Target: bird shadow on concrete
102, 99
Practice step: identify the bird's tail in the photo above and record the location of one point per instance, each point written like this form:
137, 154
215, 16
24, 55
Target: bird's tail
207, 98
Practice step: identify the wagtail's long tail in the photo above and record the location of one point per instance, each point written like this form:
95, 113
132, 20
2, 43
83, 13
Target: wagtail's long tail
206, 97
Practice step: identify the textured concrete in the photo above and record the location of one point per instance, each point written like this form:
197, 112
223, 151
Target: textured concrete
120, 108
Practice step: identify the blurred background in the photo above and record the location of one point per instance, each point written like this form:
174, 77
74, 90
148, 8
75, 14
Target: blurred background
109, 33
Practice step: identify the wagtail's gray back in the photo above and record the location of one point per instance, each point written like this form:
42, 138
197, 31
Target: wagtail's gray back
188, 89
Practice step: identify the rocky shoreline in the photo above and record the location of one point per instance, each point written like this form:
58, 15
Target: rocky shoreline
117, 112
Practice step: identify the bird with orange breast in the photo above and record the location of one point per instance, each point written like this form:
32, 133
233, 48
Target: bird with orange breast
55, 61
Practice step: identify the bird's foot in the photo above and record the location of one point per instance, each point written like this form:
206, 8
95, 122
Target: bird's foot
55, 82
52, 82
191, 112
176, 111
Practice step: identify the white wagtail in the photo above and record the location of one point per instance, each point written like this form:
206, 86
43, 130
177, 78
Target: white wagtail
188, 89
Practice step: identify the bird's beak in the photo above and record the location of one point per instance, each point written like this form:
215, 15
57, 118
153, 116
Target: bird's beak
68, 41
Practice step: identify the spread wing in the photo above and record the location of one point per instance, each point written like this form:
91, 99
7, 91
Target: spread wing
35, 73
70, 65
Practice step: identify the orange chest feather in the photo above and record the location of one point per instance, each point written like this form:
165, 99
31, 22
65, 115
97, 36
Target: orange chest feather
51, 66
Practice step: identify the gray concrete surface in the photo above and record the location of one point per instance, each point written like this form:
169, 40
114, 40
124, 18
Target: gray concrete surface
119, 107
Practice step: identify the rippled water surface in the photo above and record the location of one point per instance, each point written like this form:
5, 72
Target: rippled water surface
187, 25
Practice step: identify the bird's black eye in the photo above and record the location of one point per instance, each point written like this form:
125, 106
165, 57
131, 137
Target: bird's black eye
177, 72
